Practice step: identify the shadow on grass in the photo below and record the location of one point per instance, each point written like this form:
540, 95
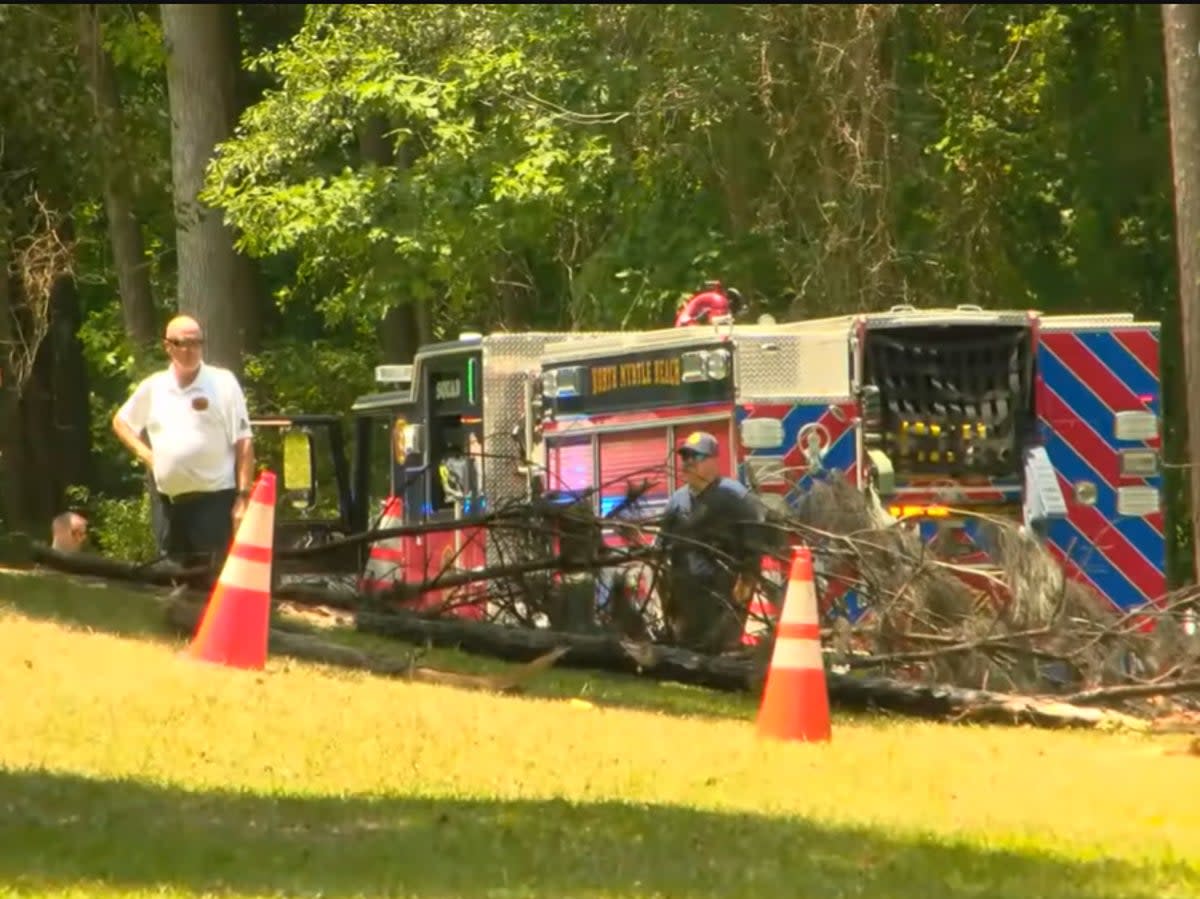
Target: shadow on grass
81, 603
59, 831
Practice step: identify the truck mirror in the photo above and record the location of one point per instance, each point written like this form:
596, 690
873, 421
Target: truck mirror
299, 464
416, 439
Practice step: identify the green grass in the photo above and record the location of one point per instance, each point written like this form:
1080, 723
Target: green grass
92, 605
126, 770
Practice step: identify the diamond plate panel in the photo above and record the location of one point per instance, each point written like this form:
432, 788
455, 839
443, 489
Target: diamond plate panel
508, 359
908, 316
1076, 322
816, 363
769, 368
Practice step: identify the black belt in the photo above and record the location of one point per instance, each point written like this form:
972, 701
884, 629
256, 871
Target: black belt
200, 494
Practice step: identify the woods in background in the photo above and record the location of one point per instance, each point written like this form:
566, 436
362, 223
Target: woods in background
339, 183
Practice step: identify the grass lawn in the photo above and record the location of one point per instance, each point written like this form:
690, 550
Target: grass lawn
126, 770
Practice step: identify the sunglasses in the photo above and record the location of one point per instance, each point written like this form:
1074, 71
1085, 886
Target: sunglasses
189, 344
692, 457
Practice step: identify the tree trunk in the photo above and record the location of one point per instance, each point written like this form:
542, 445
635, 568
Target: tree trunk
399, 336
69, 389
12, 454
399, 331
1181, 43
202, 62
55, 409
124, 232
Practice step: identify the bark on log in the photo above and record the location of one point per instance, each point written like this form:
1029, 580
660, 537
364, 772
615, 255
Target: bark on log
960, 704
162, 574
738, 673
608, 653
168, 574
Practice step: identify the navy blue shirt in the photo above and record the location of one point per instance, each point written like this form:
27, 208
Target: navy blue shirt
722, 517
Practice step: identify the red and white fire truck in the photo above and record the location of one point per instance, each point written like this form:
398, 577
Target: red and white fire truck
945, 414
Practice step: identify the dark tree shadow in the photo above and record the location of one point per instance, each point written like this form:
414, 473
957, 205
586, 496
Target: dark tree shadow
84, 603
59, 832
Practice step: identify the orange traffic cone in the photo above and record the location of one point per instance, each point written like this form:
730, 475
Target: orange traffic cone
795, 703
236, 621
760, 611
386, 561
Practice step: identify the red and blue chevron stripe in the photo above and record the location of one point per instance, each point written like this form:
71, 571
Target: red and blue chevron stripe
1086, 378
835, 419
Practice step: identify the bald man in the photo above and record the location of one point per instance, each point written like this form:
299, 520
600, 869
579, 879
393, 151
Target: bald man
200, 448
68, 532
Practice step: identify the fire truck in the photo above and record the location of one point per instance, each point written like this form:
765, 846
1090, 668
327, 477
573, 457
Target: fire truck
943, 415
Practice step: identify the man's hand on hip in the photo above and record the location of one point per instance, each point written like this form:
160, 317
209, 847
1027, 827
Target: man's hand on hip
239, 510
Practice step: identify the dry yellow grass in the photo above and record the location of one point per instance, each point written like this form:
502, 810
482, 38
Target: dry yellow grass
127, 770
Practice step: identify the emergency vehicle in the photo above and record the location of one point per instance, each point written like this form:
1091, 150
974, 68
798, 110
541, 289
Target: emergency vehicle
458, 429
943, 414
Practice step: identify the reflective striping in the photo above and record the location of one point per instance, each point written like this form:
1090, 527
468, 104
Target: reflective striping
247, 573
387, 559
800, 604
804, 655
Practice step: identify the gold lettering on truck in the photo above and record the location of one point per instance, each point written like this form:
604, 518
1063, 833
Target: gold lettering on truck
625, 375
604, 379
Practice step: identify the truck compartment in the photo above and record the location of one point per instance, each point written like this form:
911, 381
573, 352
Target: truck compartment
955, 399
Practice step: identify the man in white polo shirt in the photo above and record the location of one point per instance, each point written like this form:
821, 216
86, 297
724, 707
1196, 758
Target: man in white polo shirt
200, 447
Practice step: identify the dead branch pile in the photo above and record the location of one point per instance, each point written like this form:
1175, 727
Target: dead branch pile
927, 627
1018, 626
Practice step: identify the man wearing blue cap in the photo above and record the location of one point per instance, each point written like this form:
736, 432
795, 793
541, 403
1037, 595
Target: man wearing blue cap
713, 553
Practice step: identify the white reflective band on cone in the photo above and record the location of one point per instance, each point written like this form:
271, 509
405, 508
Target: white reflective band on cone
800, 605
797, 653
239, 572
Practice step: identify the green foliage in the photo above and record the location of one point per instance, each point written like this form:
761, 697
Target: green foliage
504, 135
118, 528
589, 165
1053, 179
133, 38
307, 376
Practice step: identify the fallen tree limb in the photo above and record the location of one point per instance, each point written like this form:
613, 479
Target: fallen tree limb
738, 673
605, 652
1134, 691
164, 573
183, 616
962, 704
743, 673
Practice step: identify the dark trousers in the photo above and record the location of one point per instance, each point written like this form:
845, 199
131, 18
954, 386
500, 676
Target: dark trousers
702, 612
199, 526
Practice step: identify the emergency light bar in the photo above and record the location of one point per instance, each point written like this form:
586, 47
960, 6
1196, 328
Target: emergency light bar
393, 374
564, 383
916, 511
704, 365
